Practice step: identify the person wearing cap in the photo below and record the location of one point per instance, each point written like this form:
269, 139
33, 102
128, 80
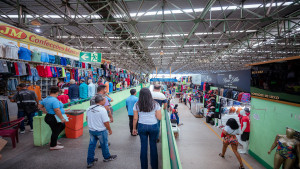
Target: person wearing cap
83, 89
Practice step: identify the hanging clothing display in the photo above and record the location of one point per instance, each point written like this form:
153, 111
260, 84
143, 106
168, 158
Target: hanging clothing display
11, 51
37, 91
24, 54
4, 116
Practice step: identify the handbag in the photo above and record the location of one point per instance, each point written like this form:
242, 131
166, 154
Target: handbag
222, 134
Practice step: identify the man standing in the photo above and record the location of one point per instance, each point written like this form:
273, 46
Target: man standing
83, 89
101, 90
161, 99
130, 101
73, 91
27, 102
99, 128
91, 87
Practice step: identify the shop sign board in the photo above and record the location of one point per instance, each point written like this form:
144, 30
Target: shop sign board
238, 80
22, 36
90, 57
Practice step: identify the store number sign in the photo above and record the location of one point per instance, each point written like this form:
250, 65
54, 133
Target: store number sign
90, 57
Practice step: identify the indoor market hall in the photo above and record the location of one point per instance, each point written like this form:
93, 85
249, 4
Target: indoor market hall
150, 84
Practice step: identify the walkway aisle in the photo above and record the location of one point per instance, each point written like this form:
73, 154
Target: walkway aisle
199, 146
73, 156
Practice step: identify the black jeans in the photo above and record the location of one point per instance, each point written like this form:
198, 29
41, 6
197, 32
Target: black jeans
56, 128
131, 123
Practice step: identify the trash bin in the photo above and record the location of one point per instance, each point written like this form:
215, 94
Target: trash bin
74, 127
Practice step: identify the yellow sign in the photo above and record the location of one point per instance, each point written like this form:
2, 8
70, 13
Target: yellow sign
19, 35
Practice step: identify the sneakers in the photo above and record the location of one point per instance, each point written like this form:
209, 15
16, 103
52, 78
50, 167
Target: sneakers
93, 163
100, 145
31, 130
22, 132
56, 147
111, 158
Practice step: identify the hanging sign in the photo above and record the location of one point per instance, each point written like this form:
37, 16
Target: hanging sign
90, 57
22, 36
238, 80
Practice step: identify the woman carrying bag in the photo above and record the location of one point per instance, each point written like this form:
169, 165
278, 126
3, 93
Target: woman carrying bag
229, 133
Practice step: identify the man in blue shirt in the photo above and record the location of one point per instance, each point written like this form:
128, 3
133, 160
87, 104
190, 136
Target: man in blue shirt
130, 101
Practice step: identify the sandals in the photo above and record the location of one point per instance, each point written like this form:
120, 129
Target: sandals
221, 155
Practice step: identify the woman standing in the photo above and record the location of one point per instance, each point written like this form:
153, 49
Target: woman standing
230, 131
52, 106
147, 112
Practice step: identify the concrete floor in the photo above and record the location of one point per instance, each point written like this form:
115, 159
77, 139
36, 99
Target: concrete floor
73, 156
199, 146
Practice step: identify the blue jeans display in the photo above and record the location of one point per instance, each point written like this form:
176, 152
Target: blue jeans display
30, 119
148, 131
102, 136
12, 84
34, 77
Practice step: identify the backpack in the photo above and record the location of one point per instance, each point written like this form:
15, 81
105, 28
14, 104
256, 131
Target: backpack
240, 96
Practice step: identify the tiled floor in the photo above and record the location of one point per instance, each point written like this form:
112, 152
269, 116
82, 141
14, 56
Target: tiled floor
199, 146
73, 156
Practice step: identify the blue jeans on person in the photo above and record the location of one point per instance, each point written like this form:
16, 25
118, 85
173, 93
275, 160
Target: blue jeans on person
158, 122
150, 131
177, 118
102, 136
30, 119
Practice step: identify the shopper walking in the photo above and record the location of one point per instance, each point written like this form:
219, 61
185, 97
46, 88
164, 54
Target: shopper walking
27, 102
130, 101
161, 100
99, 128
146, 113
83, 89
91, 88
230, 131
53, 107
73, 91
175, 111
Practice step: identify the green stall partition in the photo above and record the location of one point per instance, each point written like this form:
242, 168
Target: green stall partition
42, 131
170, 155
267, 120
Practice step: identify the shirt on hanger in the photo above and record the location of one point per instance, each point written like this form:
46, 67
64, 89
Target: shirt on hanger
36, 56
44, 57
11, 51
37, 91
24, 54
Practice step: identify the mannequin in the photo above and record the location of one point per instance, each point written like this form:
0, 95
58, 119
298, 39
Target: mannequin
286, 151
245, 125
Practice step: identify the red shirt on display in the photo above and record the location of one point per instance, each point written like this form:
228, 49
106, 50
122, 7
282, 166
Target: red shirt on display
63, 98
247, 120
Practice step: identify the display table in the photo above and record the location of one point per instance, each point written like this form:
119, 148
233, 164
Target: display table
42, 131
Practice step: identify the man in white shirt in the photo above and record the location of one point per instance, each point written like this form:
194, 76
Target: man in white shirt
91, 88
99, 128
160, 99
